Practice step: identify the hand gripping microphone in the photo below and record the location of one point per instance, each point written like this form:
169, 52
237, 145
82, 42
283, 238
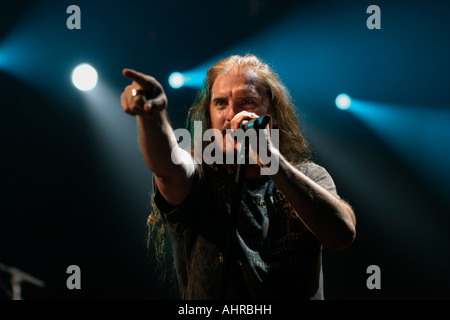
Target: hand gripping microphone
256, 124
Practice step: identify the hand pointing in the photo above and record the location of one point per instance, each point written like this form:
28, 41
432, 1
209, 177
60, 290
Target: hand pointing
148, 95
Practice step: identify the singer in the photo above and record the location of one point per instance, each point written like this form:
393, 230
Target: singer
274, 249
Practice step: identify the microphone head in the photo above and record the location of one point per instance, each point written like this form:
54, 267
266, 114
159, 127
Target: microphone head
258, 123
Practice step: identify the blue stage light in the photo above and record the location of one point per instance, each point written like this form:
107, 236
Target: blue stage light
84, 77
176, 80
343, 101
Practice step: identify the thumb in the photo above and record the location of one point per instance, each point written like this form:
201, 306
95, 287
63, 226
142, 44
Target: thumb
158, 103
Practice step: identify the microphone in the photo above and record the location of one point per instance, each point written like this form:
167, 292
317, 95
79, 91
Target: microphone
256, 124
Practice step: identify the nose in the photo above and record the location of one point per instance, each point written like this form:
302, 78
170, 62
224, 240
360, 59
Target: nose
232, 110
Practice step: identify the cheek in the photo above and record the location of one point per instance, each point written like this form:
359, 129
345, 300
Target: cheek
267, 107
217, 119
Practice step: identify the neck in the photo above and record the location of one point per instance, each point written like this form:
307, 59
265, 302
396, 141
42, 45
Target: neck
253, 171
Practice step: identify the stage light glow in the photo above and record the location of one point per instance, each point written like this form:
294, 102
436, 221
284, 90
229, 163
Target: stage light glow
84, 77
416, 134
176, 80
343, 101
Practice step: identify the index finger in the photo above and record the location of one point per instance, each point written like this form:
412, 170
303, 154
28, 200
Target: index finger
136, 76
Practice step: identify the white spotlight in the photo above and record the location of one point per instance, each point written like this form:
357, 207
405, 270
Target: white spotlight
84, 77
176, 80
343, 101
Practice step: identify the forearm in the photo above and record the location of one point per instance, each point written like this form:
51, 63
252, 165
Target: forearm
329, 218
157, 140
173, 171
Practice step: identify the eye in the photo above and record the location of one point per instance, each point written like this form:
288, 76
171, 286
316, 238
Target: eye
247, 102
220, 103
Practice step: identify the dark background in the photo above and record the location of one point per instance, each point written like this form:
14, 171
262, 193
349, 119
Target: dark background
75, 190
